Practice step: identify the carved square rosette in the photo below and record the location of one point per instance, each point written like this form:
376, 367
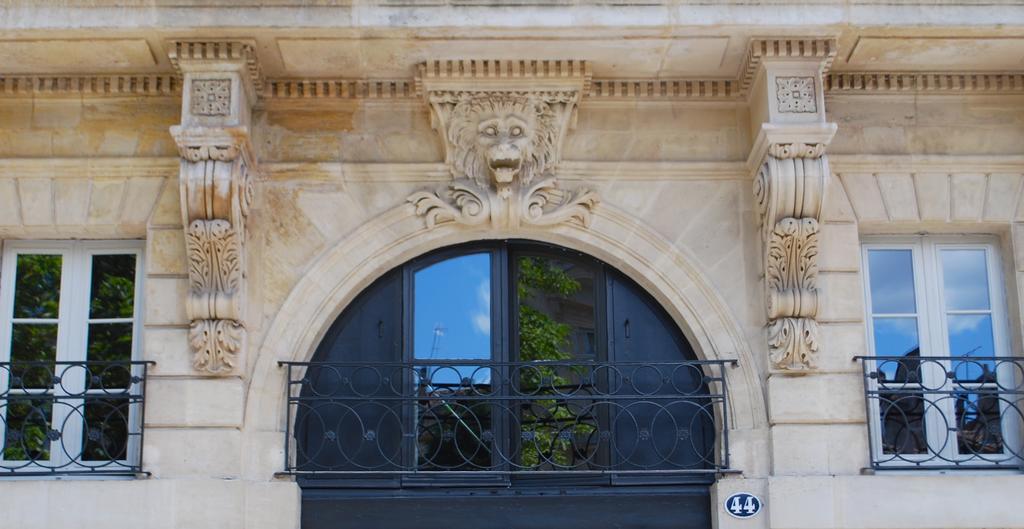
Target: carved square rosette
211, 97
796, 95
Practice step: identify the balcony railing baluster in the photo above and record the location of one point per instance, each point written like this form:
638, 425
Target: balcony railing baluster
506, 418
71, 418
937, 413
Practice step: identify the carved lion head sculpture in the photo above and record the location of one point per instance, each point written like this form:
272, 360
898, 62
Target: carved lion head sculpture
498, 137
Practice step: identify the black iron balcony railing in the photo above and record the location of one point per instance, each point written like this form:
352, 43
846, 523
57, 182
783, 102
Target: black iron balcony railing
507, 419
944, 412
61, 418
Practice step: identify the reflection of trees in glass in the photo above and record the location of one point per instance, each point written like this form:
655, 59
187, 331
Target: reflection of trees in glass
37, 288
549, 427
37, 295
113, 286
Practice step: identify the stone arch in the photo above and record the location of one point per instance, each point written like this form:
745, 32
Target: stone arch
667, 272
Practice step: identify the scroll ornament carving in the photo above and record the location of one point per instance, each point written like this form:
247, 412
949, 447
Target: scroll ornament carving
501, 150
216, 195
788, 191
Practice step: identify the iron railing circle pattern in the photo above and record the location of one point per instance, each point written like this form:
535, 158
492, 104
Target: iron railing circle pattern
935, 412
428, 417
67, 417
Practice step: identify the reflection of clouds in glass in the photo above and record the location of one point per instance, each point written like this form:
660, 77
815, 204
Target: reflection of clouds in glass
970, 334
965, 279
892, 281
895, 336
963, 324
481, 318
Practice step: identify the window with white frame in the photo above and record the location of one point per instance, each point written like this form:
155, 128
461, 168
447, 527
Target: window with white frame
943, 389
70, 390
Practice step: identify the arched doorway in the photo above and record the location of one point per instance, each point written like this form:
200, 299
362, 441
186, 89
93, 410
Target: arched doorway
506, 384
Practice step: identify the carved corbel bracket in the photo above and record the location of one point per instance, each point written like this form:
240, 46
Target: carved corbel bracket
502, 124
788, 191
216, 194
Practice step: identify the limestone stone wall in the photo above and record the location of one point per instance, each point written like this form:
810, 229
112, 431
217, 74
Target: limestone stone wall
677, 214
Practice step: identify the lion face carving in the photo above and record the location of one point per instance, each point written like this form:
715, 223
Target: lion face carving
500, 137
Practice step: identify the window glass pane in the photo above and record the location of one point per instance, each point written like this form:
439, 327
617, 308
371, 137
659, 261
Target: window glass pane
33, 351
27, 426
971, 335
902, 418
979, 425
37, 286
105, 433
452, 320
556, 309
110, 342
113, 286
896, 337
452, 309
892, 281
965, 279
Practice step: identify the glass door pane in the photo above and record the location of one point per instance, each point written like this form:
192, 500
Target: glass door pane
452, 323
968, 313
107, 388
28, 428
901, 404
559, 426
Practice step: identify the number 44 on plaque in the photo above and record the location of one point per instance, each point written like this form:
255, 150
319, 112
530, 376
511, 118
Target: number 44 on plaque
743, 505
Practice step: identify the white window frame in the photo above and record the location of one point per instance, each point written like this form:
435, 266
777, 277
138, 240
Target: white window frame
72, 339
929, 298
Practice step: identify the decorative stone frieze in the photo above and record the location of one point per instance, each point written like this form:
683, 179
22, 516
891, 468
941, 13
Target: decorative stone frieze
503, 124
216, 179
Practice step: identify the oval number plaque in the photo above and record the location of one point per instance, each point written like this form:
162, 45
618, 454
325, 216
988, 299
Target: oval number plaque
743, 505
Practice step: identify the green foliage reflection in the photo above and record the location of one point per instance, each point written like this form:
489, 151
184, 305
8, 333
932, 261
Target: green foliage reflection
553, 434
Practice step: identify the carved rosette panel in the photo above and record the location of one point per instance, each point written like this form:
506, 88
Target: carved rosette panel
502, 148
788, 191
796, 95
216, 194
211, 97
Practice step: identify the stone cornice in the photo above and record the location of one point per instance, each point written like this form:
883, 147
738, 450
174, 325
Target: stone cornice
90, 85
952, 83
216, 52
819, 49
610, 90
502, 75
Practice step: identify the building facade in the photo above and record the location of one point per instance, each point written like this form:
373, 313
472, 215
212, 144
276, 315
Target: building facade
302, 264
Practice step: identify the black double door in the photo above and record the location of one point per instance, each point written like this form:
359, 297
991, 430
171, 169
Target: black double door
444, 316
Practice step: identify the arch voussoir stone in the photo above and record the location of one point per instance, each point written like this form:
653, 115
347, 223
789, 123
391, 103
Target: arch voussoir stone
341, 272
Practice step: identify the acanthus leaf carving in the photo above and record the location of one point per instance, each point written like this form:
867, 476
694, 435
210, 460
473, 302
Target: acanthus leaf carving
793, 343
788, 192
216, 195
791, 270
215, 344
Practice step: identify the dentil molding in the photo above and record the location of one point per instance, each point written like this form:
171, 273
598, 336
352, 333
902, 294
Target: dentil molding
503, 124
